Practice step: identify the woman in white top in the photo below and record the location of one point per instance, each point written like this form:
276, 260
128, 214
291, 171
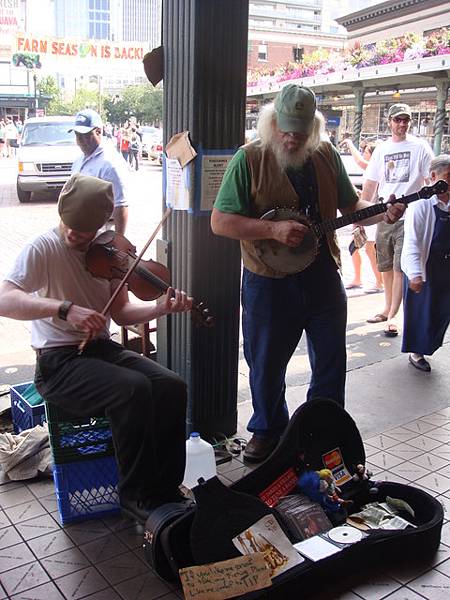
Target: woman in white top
425, 261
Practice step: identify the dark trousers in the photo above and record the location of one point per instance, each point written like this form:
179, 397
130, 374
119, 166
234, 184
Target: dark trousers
275, 314
145, 403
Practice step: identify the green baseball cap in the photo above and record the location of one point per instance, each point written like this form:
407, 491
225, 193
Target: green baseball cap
295, 107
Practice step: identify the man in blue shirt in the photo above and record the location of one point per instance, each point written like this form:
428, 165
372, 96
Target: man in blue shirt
102, 162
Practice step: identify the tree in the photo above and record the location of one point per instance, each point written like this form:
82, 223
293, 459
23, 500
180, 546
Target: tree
144, 102
50, 92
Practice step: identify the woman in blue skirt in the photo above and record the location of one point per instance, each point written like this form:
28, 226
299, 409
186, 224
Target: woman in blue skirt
426, 264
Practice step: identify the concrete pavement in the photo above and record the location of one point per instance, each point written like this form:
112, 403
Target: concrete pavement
383, 390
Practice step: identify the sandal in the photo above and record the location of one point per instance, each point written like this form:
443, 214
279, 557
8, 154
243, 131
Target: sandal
391, 330
379, 318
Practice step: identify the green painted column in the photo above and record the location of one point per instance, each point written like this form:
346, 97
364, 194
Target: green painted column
442, 86
357, 124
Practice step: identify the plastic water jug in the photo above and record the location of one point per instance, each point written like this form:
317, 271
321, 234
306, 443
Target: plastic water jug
200, 461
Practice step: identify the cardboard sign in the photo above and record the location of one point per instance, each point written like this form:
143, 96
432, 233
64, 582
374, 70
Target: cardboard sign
225, 579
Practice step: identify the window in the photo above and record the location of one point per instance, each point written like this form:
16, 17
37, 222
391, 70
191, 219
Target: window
297, 54
262, 52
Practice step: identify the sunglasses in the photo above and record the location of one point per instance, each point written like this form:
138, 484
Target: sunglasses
401, 119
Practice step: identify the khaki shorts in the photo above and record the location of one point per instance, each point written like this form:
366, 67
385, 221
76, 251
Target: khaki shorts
389, 243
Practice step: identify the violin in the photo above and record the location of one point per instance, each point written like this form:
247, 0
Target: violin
112, 256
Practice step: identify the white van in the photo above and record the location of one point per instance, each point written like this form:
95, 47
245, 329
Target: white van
45, 155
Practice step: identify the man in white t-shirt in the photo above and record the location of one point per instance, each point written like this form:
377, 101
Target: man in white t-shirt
145, 402
398, 166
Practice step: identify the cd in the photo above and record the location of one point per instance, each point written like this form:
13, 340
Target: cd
345, 535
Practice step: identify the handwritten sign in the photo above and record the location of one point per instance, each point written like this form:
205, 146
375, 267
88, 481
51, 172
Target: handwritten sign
221, 580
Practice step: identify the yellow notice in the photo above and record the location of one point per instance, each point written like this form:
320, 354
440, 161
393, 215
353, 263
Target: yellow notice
226, 579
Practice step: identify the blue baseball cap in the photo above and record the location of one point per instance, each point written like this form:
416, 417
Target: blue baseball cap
86, 120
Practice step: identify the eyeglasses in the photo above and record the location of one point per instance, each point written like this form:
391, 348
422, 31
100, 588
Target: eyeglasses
401, 119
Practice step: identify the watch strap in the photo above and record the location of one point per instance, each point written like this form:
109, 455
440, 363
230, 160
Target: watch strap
63, 309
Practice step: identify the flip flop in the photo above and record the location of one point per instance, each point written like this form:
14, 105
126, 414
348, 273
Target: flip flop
380, 318
353, 286
391, 330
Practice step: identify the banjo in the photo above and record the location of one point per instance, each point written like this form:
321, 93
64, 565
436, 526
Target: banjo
288, 260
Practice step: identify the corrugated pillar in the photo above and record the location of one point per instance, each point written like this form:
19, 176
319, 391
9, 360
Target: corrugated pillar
205, 60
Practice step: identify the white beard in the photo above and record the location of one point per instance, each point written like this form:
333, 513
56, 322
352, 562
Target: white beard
295, 160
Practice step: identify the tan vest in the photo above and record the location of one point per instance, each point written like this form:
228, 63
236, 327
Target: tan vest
271, 188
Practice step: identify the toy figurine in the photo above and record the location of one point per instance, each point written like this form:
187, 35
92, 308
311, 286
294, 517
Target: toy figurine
329, 487
309, 483
361, 473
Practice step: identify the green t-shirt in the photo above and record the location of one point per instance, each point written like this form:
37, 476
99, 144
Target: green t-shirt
234, 193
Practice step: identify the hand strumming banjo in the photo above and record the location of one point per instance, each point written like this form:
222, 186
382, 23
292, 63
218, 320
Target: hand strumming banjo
288, 260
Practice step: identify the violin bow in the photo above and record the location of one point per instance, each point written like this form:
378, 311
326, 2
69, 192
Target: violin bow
125, 278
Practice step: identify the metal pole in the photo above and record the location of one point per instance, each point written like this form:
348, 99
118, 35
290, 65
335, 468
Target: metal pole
442, 86
357, 124
35, 92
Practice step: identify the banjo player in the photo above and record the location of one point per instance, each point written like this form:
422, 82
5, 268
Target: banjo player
289, 165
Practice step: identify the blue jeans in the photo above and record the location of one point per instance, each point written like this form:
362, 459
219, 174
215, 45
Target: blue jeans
275, 314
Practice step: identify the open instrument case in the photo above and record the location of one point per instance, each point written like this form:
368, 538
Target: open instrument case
318, 430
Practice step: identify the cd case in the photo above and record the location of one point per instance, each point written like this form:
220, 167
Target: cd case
303, 517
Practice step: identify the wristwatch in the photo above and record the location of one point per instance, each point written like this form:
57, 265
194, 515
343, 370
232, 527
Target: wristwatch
63, 309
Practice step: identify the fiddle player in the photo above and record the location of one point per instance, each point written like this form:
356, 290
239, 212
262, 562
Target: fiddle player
291, 165
145, 402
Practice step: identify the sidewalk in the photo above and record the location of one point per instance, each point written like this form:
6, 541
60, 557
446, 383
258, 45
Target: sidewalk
402, 414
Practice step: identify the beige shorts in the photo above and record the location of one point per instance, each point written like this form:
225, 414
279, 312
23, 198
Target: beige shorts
389, 243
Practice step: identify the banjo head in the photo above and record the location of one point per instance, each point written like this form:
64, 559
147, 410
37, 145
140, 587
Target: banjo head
280, 257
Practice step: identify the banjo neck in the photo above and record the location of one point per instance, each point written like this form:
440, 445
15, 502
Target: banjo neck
375, 209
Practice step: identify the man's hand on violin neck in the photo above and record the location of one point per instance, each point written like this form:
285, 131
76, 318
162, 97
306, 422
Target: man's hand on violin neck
86, 320
290, 233
177, 301
394, 211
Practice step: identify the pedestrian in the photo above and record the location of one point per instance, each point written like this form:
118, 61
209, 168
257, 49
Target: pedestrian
399, 166
134, 149
362, 160
289, 165
125, 133
10, 133
2, 138
101, 160
426, 264
144, 401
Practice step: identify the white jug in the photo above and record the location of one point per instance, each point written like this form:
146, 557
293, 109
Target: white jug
200, 461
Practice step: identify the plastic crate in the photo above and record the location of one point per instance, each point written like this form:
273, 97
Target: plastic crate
86, 489
75, 439
24, 415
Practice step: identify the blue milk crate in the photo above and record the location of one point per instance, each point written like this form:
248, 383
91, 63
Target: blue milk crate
86, 489
24, 415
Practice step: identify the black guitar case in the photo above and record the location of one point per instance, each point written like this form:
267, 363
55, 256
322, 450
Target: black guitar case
318, 432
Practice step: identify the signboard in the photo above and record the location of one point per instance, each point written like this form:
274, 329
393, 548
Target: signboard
9, 25
75, 48
9, 17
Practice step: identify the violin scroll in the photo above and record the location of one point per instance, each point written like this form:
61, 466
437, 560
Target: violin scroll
201, 315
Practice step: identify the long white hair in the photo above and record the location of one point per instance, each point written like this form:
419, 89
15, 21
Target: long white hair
267, 127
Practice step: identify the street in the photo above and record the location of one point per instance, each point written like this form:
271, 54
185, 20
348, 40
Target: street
377, 370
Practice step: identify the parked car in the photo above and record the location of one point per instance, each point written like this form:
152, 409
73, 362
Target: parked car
45, 155
353, 170
152, 146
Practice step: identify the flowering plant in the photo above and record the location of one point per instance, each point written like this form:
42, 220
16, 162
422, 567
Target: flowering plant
410, 46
